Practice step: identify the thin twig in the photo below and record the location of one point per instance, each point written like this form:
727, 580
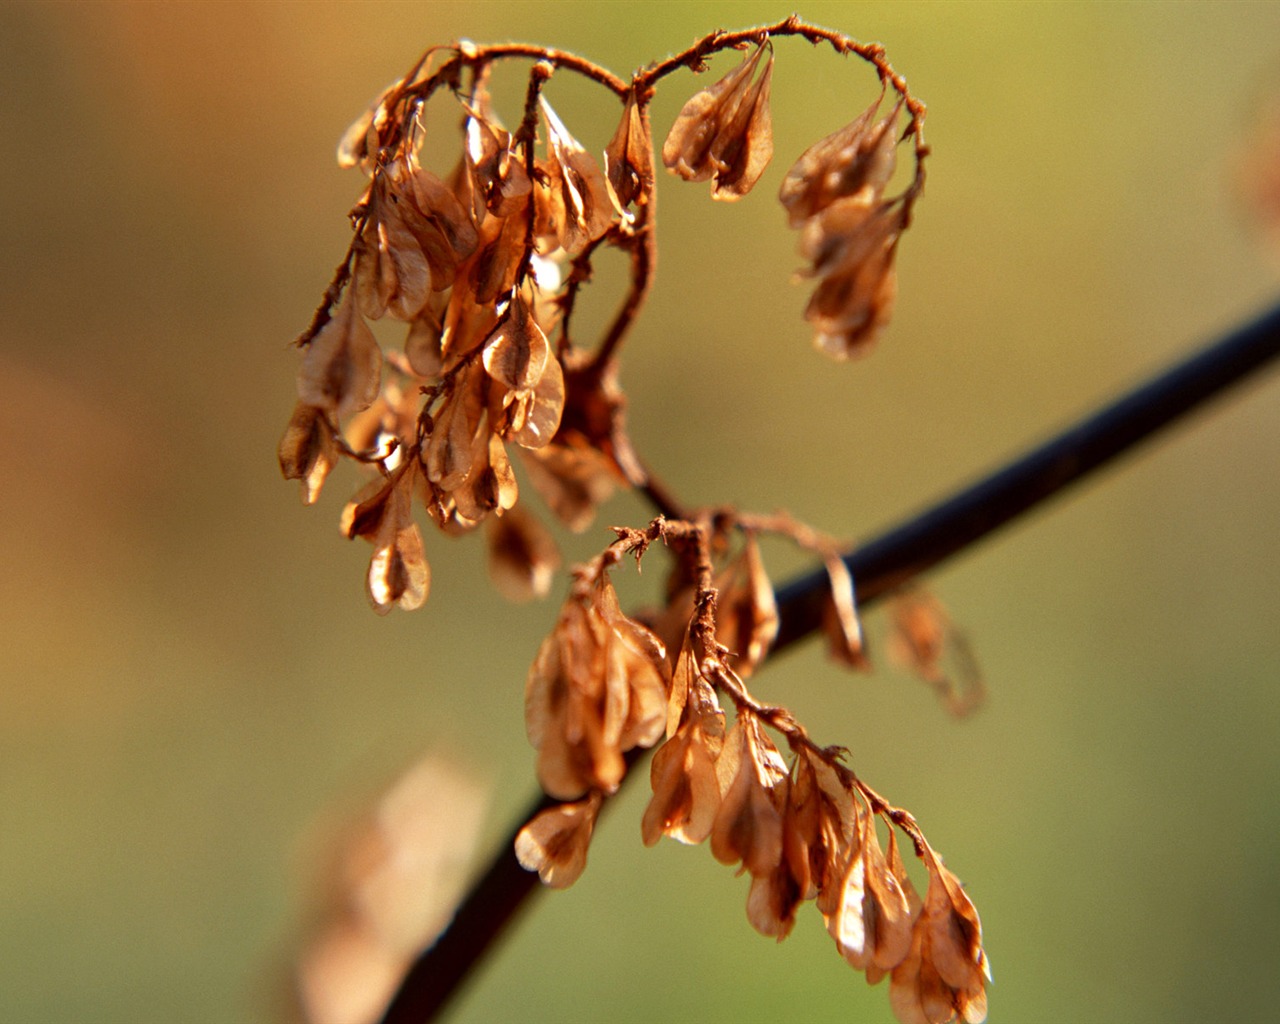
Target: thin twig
879, 566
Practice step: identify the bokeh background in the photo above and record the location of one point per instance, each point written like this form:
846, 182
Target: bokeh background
196, 695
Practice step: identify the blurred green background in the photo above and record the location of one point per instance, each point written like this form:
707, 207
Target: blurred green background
192, 680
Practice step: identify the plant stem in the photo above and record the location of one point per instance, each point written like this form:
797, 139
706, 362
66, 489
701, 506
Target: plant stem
878, 567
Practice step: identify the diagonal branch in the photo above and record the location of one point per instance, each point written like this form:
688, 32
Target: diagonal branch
879, 566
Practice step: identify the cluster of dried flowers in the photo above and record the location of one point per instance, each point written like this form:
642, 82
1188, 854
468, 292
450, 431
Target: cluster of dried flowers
484, 266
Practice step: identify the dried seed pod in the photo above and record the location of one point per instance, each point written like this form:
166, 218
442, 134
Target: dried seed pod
597, 688
686, 791
490, 483
746, 612
872, 920
946, 973
555, 842
360, 142
773, 900
500, 181
398, 571
581, 196
724, 133
840, 622
523, 557
442, 225
818, 828
308, 451
854, 257
955, 933
748, 826
467, 323
424, 344
341, 369
858, 160
924, 640
628, 159
517, 353
534, 415
452, 446
572, 479
491, 271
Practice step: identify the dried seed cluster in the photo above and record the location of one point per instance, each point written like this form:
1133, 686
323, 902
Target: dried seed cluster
484, 266
602, 685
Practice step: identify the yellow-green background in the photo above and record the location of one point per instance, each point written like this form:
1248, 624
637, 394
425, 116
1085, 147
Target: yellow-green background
191, 679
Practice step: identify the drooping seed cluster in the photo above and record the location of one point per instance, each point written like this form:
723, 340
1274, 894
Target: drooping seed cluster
479, 267
484, 266
602, 685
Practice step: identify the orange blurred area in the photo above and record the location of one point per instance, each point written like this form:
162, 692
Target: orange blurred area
191, 677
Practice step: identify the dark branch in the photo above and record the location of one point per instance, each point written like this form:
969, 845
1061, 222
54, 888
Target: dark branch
879, 566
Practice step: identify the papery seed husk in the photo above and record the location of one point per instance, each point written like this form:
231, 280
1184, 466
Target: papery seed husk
669, 806
682, 677
847, 922
687, 147
544, 408
772, 902
856, 340
422, 345
955, 931
639, 638
373, 275
367, 426
573, 481
858, 159
477, 494
555, 842
307, 451
493, 266
686, 794
747, 613
804, 190
584, 196
467, 325
545, 690
904, 992
840, 619
523, 557
392, 270
517, 353
802, 827
448, 217
855, 300
628, 158
748, 826
452, 446
564, 766
894, 911
846, 233
646, 717
750, 148
606, 767
363, 514
341, 370
500, 177
354, 148
398, 571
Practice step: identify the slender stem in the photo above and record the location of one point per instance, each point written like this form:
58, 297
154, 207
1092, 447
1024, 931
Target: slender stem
879, 566
469, 54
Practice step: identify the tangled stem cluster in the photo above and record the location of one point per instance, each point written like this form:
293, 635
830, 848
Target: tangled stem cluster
485, 266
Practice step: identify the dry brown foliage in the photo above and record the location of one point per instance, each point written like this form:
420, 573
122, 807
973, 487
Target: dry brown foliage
484, 268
